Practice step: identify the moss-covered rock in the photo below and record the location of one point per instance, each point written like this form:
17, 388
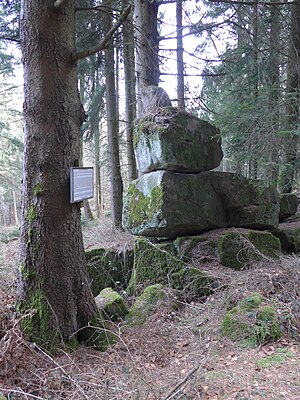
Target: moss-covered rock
153, 263
193, 283
153, 298
238, 249
168, 204
157, 263
178, 141
188, 247
288, 205
111, 304
251, 321
251, 302
289, 236
109, 268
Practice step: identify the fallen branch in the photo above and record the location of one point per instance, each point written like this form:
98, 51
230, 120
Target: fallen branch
181, 383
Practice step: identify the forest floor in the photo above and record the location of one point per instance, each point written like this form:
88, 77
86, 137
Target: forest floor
175, 355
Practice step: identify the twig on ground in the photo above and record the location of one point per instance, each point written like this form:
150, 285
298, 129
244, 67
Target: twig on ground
181, 383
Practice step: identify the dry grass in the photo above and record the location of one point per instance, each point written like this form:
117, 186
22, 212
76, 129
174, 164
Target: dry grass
177, 354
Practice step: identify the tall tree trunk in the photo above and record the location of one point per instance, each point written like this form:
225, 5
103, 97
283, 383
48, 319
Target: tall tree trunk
113, 131
86, 205
180, 65
53, 283
147, 61
292, 100
97, 172
253, 165
274, 76
130, 95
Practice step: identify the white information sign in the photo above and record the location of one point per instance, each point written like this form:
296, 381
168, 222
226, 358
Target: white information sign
81, 184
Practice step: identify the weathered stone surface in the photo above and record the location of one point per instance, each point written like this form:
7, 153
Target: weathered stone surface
111, 304
247, 203
153, 98
153, 263
153, 298
234, 248
168, 204
289, 236
109, 268
288, 205
239, 249
158, 263
177, 141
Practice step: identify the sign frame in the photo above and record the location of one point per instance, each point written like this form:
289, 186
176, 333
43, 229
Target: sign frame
81, 184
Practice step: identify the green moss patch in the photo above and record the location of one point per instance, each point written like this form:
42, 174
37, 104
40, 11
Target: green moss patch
280, 356
153, 298
193, 283
142, 208
111, 304
153, 263
251, 322
237, 250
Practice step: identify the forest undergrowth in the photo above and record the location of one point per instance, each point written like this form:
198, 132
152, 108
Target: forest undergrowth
177, 354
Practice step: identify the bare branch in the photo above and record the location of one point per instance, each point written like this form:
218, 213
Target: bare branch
11, 39
107, 38
203, 74
58, 3
255, 2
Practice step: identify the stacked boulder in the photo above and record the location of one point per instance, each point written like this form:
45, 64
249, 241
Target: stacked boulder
177, 194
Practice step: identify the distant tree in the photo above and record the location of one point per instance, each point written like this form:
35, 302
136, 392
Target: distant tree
147, 61
116, 183
130, 92
292, 103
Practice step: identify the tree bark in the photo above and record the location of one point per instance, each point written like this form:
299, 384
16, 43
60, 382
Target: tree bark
292, 101
147, 61
53, 281
274, 84
130, 95
113, 131
180, 65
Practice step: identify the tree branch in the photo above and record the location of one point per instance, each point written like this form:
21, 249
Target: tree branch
11, 39
58, 3
107, 38
203, 74
254, 2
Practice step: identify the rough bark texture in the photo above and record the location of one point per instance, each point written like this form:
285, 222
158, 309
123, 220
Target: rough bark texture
130, 95
274, 82
113, 132
53, 280
180, 65
147, 62
292, 100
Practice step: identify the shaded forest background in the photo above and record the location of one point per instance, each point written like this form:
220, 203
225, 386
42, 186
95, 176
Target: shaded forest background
234, 63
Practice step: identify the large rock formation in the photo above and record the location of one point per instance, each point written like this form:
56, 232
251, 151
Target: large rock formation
168, 204
176, 141
178, 194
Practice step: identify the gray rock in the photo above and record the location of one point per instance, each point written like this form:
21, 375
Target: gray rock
153, 98
168, 204
288, 205
176, 141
